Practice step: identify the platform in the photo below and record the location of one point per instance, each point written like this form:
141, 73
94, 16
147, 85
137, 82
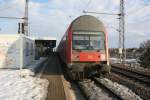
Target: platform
53, 73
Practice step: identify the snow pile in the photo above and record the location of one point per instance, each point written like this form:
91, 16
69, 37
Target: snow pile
26, 73
94, 92
132, 64
129, 61
113, 60
36, 64
27, 87
124, 92
134, 61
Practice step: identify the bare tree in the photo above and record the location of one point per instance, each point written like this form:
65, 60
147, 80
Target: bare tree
144, 58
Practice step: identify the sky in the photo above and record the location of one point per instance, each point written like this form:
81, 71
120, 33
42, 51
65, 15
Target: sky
51, 18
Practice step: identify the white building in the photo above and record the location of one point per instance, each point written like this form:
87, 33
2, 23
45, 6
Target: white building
11, 55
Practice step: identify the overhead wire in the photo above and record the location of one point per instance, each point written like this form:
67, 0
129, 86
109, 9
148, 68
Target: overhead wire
135, 11
89, 3
85, 8
7, 8
103, 13
10, 17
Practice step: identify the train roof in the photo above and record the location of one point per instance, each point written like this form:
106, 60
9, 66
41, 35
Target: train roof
87, 23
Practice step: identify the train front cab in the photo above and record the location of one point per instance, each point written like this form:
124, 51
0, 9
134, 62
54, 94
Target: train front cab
88, 56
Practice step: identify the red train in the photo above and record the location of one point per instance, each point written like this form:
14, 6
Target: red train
84, 48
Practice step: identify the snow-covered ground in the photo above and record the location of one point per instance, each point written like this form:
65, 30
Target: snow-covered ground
133, 65
27, 87
115, 60
36, 63
94, 92
97, 93
124, 92
23, 84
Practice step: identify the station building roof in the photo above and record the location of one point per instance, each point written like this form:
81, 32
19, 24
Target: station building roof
46, 41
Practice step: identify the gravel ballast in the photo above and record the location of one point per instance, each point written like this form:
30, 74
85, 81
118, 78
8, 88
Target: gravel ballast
122, 91
96, 92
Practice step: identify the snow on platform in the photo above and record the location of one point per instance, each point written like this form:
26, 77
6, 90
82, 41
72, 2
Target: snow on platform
37, 63
27, 87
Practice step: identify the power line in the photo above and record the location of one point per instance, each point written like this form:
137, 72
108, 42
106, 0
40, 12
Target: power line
71, 17
104, 13
2, 9
115, 28
10, 17
87, 5
136, 10
8, 7
23, 25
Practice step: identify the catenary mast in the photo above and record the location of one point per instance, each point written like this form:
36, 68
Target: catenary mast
122, 49
26, 18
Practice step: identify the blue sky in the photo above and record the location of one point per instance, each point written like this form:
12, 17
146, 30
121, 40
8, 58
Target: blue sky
51, 17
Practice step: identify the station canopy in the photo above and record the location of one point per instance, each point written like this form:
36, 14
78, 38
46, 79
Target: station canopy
46, 41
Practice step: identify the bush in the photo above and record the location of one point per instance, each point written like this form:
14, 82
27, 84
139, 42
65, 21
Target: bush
144, 58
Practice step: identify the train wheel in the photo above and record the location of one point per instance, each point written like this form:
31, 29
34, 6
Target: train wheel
78, 75
81, 75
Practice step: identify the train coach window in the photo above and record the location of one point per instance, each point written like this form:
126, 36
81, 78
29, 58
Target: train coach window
88, 42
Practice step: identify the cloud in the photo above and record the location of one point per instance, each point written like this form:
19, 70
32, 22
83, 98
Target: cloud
51, 17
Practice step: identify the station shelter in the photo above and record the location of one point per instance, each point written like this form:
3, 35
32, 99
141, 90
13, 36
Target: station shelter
44, 46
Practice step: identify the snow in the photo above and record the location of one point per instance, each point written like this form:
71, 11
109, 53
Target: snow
115, 60
132, 65
27, 87
124, 92
94, 92
37, 63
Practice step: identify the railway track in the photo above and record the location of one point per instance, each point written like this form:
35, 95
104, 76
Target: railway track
104, 89
139, 89
144, 79
138, 70
102, 85
137, 82
90, 89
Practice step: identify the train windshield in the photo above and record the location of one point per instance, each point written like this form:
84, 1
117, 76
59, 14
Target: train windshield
88, 41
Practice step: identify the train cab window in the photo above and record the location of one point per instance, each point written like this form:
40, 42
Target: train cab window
97, 42
88, 41
80, 42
